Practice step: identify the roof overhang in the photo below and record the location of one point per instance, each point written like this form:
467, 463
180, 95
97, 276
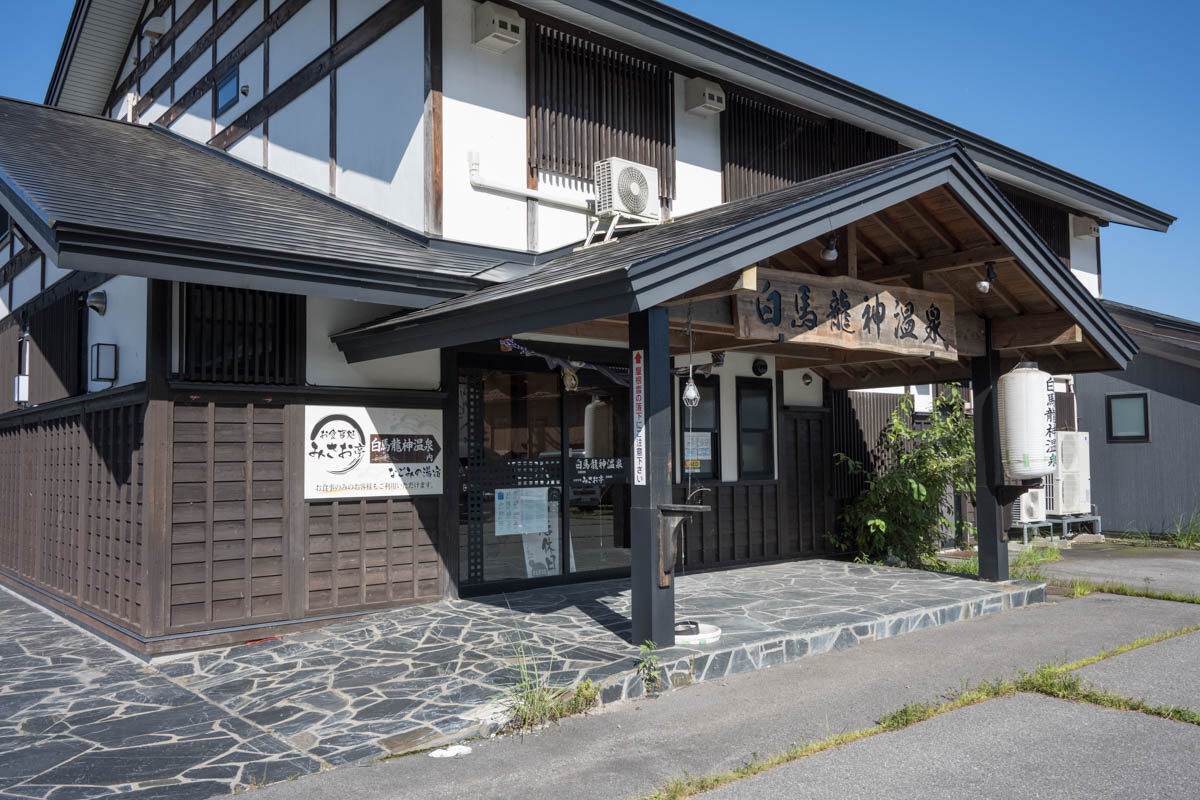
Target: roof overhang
689, 41
563, 292
1172, 338
89, 60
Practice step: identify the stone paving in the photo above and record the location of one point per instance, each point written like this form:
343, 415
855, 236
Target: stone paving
77, 713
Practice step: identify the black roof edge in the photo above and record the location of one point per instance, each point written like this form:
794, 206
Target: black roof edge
1027, 245
1156, 317
638, 15
74, 25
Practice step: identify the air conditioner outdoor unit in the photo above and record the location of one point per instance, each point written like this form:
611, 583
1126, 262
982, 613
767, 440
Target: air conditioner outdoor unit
1072, 475
627, 189
1031, 507
1084, 227
703, 97
21, 389
497, 28
155, 27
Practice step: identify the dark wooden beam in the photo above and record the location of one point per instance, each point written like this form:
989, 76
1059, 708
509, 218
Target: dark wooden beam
314, 71
191, 55
1035, 330
434, 190
256, 37
999, 290
163, 45
943, 263
873, 249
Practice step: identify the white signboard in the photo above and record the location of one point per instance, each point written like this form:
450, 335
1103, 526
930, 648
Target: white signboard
353, 451
639, 417
521, 511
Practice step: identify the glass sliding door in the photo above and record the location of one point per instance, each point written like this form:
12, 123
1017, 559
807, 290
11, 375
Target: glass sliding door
526, 444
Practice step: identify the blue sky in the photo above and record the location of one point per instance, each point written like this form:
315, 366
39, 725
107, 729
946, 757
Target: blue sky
1105, 90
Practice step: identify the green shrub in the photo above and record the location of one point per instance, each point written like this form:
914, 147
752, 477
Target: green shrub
901, 512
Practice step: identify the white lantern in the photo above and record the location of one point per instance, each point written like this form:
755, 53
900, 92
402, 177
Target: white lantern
1025, 399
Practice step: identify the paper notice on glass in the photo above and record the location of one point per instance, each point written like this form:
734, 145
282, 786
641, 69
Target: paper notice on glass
697, 446
521, 511
542, 549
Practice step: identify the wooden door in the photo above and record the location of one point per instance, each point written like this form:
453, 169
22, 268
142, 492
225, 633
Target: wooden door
805, 481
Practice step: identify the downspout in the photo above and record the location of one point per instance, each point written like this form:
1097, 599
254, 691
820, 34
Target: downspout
479, 182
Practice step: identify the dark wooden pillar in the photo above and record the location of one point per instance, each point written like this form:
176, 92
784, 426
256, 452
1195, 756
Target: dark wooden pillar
989, 472
650, 475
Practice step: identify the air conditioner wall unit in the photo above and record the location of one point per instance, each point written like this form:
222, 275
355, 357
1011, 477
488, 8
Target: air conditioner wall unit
1072, 487
497, 28
155, 27
627, 189
703, 97
1084, 228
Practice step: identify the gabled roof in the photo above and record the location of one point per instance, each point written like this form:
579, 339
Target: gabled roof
651, 267
92, 59
1173, 338
111, 197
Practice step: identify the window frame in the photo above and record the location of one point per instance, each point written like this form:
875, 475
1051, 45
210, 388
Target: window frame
1108, 417
713, 381
229, 77
743, 383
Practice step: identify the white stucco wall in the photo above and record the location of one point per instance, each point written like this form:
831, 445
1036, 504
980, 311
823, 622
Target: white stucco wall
483, 110
326, 366
301, 39
697, 157
795, 393
296, 147
27, 284
351, 13
380, 122
240, 29
1085, 261
250, 147
123, 324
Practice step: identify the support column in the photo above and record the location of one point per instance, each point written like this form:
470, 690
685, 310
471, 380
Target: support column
653, 605
989, 472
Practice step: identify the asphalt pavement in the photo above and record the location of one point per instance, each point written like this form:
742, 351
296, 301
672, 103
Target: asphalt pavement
632, 748
1025, 746
1165, 569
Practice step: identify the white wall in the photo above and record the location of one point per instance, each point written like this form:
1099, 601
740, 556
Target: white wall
250, 147
4, 309
557, 226
54, 273
240, 29
123, 324
27, 284
296, 147
380, 122
351, 13
326, 366
795, 393
1085, 260
483, 110
736, 365
301, 39
697, 158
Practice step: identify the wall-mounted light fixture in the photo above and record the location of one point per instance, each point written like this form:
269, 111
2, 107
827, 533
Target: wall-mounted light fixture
104, 363
98, 302
759, 367
985, 285
806, 379
829, 252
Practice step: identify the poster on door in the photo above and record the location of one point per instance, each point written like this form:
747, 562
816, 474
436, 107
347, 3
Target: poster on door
522, 511
542, 550
353, 451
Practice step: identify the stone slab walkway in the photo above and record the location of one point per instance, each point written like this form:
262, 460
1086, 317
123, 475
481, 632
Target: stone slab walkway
78, 714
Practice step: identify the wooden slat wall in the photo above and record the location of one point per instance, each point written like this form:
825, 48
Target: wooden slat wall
805, 469
1050, 222
589, 102
766, 146
368, 553
56, 353
240, 336
858, 422
71, 516
237, 509
227, 518
742, 526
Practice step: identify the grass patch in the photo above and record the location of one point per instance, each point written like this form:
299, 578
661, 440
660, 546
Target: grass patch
1186, 533
1026, 566
1081, 587
1057, 681
531, 701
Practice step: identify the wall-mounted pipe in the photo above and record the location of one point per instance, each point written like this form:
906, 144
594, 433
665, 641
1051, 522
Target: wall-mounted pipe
479, 182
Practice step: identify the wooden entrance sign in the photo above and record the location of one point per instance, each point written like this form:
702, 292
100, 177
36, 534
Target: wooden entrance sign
848, 314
